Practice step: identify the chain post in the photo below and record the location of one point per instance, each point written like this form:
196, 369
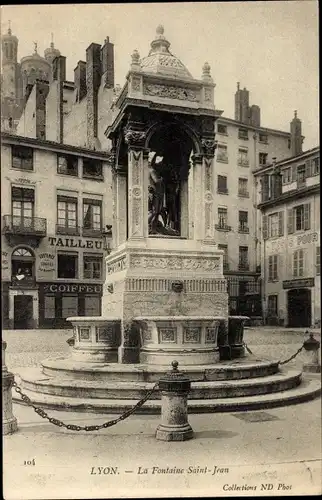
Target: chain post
174, 389
312, 363
9, 421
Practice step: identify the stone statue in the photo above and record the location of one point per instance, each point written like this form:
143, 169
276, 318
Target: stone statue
163, 190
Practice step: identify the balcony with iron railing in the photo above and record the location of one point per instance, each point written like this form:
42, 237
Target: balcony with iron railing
242, 193
223, 158
243, 162
222, 226
68, 230
24, 226
243, 266
222, 190
23, 282
243, 228
92, 232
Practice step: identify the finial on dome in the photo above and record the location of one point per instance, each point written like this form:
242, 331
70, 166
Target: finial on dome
52, 41
9, 28
238, 85
206, 72
295, 113
36, 46
160, 29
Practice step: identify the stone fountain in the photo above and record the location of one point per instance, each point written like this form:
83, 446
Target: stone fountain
165, 296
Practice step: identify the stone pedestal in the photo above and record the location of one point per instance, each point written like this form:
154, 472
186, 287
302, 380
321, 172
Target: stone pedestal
236, 335
174, 389
96, 339
9, 422
312, 363
190, 339
144, 280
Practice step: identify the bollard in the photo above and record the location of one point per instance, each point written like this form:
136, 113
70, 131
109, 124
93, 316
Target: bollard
9, 422
174, 388
312, 346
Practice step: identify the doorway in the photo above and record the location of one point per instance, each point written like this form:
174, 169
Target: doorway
23, 312
299, 308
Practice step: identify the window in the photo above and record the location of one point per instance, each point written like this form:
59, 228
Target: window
243, 258
225, 256
22, 265
222, 184
67, 165
287, 175
243, 133
22, 207
301, 175
317, 261
92, 168
243, 187
92, 305
263, 138
222, 129
222, 154
222, 217
243, 157
92, 216
93, 267
299, 218
22, 158
69, 306
262, 159
67, 265
272, 305
67, 215
316, 166
243, 222
272, 268
273, 225
298, 263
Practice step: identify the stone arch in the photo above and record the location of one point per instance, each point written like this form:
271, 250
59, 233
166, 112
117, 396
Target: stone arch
23, 263
181, 126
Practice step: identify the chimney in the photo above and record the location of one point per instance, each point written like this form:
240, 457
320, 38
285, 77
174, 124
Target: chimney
107, 58
93, 81
255, 115
80, 80
296, 135
42, 89
59, 75
242, 105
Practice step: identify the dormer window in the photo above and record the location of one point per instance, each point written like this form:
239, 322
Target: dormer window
92, 168
67, 165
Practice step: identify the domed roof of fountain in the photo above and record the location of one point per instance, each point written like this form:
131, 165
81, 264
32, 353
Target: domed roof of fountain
161, 61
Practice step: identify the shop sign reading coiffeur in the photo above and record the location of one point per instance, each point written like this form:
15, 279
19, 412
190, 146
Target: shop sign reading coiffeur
72, 288
75, 243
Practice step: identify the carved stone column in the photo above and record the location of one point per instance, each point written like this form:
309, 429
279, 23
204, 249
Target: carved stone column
137, 184
208, 191
198, 214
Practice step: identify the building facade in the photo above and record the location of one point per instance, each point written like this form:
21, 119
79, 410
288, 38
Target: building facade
63, 118
56, 204
289, 202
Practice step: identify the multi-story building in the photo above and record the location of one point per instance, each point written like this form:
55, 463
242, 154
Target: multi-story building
290, 251
60, 117
56, 204
243, 146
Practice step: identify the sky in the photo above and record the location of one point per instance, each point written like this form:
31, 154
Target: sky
271, 48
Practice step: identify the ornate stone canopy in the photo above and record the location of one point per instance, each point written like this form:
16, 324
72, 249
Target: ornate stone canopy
161, 61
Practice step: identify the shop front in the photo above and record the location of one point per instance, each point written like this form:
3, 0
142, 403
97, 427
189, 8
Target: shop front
299, 302
59, 300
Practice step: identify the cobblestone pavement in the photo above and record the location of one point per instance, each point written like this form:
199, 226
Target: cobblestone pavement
30, 347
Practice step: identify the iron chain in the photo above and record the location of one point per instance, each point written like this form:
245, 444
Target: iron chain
291, 357
72, 427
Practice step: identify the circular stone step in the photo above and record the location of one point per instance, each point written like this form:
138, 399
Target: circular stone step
34, 380
309, 389
243, 368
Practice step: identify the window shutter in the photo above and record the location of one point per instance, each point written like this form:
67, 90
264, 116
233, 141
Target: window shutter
294, 173
308, 168
270, 267
290, 221
295, 264
265, 227
280, 223
307, 216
